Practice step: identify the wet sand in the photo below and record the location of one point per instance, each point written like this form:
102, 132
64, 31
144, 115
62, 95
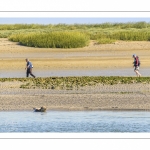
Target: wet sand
96, 57
78, 72
96, 60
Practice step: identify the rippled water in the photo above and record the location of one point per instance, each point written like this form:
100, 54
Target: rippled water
75, 121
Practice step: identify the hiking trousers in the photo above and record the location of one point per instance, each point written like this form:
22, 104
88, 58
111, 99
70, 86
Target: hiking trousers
29, 71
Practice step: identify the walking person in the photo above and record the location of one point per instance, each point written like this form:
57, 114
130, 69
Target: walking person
136, 65
28, 68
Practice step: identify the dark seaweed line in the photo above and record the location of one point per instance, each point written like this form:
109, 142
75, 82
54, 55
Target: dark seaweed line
74, 82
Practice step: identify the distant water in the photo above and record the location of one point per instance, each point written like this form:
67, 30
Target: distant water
75, 121
60, 73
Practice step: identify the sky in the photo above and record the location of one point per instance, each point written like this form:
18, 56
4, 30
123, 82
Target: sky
75, 20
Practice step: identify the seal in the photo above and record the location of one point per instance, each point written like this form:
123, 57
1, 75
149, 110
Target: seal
42, 109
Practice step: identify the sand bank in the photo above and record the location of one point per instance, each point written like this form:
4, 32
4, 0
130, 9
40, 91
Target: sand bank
100, 97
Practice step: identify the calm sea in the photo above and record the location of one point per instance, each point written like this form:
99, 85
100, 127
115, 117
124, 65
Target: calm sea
75, 121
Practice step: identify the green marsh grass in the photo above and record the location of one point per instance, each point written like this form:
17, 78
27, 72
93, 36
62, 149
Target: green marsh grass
21, 26
56, 39
137, 25
138, 31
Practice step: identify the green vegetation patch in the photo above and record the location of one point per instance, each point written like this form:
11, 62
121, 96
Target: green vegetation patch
74, 35
105, 41
136, 25
56, 39
70, 83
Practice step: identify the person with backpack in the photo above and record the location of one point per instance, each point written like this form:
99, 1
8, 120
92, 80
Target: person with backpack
136, 65
28, 68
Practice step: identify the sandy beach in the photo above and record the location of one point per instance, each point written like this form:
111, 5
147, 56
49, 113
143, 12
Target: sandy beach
99, 97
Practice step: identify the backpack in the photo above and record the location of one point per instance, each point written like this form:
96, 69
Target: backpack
139, 63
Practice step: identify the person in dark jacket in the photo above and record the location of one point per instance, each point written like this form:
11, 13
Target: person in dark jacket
136, 65
28, 68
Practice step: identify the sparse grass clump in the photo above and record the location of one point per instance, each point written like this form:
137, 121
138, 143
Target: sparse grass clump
57, 39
